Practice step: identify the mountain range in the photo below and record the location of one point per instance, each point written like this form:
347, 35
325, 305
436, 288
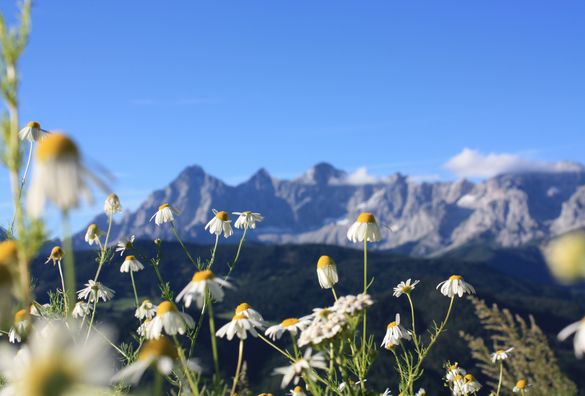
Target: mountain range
426, 218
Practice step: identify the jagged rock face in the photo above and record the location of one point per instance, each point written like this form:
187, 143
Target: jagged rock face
319, 206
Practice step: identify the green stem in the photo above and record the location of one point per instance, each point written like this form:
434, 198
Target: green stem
23, 181
62, 286
295, 347
92, 317
158, 383
414, 336
284, 353
500, 379
334, 294
240, 246
186, 370
213, 338
238, 368
104, 249
213, 252
69, 265
134, 288
364, 331
181, 243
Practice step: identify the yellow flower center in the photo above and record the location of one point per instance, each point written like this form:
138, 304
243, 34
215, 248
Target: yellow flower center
391, 325
56, 252
242, 307
163, 206
389, 347
203, 276
113, 197
289, 322
457, 378
325, 261
454, 367
239, 317
223, 216
8, 252
145, 301
20, 316
297, 389
366, 217
500, 352
130, 258
52, 376
521, 384
164, 307
33, 124
406, 289
468, 378
157, 348
455, 277
93, 229
56, 145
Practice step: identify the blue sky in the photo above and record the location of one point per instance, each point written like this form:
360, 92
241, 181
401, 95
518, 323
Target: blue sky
147, 88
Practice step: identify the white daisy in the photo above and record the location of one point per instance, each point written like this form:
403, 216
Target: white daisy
112, 205
292, 325
170, 319
521, 386
58, 176
240, 325
386, 392
32, 132
470, 384
39, 310
579, 341
501, 354
131, 264
81, 310
20, 327
125, 244
143, 329
247, 219
365, 227
404, 287
455, 371
202, 282
95, 290
145, 310
302, 366
297, 391
421, 392
92, 235
394, 333
327, 272
220, 223
56, 255
164, 214
455, 286
247, 310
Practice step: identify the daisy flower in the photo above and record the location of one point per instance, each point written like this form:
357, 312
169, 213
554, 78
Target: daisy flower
579, 341
125, 244
247, 219
112, 205
454, 371
501, 354
327, 272
521, 386
56, 255
20, 327
92, 235
455, 285
395, 332
421, 392
302, 366
365, 227
145, 310
202, 282
32, 132
81, 310
292, 325
240, 325
164, 214
404, 287
470, 384
297, 391
143, 329
170, 319
8, 253
58, 176
131, 264
220, 223
247, 310
95, 290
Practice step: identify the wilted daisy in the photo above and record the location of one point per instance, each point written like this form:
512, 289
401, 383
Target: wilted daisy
292, 325
240, 325
404, 287
579, 341
131, 264
521, 386
327, 272
145, 310
112, 205
143, 328
20, 327
247, 219
421, 392
197, 288
170, 319
365, 227
455, 285
247, 310
125, 244
95, 290
58, 176
81, 310
297, 391
32, 132
501, 354
395, 332
56, 255
302, 366
220, 223
454, 371
164, 214
565, 257
92, 235
53, 363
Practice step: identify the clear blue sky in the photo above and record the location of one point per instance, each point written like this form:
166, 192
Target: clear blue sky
147, 88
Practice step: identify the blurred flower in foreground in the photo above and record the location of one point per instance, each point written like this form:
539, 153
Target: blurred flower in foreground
95, 290
292, 325
501, 354
92, 235
58, 176
455, 285
8, 253
32, 132
168, 318
8, 260
159, 354
565, 257
302, 366
365, 227
404, 287
20, 327
220, 223
112, 205
247, 219
53, 363
240, 325
579, 341
421, 392
131, 264
327, 272
56, 255
202, 282
145, 310
164, 214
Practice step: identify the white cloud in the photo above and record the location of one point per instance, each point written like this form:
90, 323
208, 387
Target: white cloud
360, 176
474, 164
